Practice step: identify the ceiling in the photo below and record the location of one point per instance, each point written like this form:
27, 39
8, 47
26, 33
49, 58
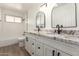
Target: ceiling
20, 6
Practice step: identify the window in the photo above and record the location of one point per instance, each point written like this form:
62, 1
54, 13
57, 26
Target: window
17, 19
13, 19
9, 19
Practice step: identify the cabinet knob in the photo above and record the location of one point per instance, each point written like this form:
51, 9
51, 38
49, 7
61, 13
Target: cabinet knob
32, 43
27, 39
32, 52
53, 53
58, 54
38, 47
54, 38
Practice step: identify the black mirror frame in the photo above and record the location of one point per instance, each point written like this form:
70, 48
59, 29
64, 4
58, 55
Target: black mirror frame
69, 26
44, 19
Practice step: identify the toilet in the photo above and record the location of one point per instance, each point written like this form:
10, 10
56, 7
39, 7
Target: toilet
21, 41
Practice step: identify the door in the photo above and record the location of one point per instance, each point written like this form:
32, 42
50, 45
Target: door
49, 51
32, 46
61, 53
39, 49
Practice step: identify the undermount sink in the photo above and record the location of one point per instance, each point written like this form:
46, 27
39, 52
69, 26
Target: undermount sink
67, 36
72, 36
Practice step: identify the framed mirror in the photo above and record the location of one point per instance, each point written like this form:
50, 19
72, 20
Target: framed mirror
64, 14
40, 19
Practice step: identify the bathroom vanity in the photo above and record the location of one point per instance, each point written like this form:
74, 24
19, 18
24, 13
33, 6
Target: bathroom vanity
38, 44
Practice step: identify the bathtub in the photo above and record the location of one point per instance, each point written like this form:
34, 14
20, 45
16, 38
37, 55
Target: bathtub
8, 41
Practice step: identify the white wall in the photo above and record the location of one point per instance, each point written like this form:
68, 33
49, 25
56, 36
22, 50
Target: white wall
47, 11
32, 19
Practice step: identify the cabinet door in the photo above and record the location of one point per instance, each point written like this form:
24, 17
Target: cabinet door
39, 49
61, 53
32, 46
49, 51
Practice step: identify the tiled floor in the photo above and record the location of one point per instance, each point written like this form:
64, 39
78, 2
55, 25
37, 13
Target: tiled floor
13, 50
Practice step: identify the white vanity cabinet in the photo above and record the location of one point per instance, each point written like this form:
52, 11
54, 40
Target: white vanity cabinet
43, 46
39, 49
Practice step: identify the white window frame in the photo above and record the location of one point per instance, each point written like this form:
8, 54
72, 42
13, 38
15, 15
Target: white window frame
8, 20
14, 19
17, 18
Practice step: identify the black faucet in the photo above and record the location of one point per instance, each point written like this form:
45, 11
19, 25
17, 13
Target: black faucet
59, 30
38, 28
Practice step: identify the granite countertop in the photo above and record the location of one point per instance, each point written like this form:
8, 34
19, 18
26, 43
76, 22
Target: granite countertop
71, 39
